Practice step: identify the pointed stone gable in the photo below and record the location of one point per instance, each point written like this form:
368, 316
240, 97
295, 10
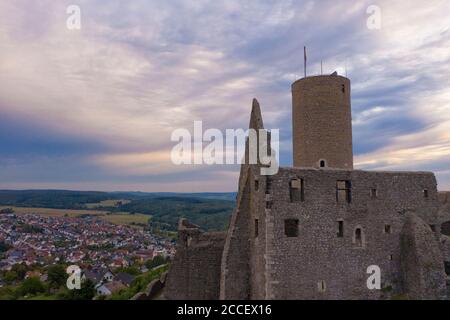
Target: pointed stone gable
256, 121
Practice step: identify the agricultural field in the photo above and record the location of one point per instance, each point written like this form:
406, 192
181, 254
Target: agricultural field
119, 218
107, 203
126, 218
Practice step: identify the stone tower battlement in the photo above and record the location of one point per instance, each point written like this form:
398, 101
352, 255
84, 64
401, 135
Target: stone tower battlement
322, 122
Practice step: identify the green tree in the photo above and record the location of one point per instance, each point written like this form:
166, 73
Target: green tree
87, 292
4, 247
155, 262
32, 285
130, 270
21, 270
139, 285
57, 276
27, 228
11, 276
8, 293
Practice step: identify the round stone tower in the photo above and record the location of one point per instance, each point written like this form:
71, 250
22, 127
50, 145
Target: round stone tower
322, 122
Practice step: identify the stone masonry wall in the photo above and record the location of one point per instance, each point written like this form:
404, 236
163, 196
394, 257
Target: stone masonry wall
195, 269
444, 212
318, 257
235, 272
322, 125
422, 262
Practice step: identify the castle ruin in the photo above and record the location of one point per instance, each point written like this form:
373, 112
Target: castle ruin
311, 231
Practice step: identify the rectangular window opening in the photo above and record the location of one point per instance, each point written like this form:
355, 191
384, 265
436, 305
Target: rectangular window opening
291, 227
297, 190
340, 233
447, 267
344, 191
374, 193
387, 228
256, 228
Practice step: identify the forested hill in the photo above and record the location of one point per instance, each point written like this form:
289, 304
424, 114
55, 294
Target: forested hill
58, 199
210, 214
211, 211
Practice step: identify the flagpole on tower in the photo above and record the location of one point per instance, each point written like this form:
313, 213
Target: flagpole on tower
304, 54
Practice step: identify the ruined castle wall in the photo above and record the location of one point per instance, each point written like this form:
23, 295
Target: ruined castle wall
195, 270
444, 217
422, 262
322, 124
318, 264
235, 272
444, 212
258, 242
445, 243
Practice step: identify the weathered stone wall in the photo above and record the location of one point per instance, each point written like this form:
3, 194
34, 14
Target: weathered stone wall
444, 217
153, 290
322, 124
444, 212
445, 243
235, 272
258, 247
422, 263
299, 264
243, 272
195, 269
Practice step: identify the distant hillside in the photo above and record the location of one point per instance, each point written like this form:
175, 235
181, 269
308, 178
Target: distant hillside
230, 196
211, 211
58, 199
67, 199
210, 214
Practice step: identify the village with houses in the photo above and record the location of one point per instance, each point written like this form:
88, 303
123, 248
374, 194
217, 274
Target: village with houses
110, 256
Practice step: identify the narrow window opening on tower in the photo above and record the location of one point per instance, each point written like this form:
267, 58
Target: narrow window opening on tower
391, 257
344, 191
358, 238
322, 163
291, 227
387, 228
374, 193
296, 190
256, 184
433, 227
425, 193
322, 286
343, 88
256, 228
340, 233
268, 204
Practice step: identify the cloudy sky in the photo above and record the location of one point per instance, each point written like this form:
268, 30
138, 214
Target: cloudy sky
94, 109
